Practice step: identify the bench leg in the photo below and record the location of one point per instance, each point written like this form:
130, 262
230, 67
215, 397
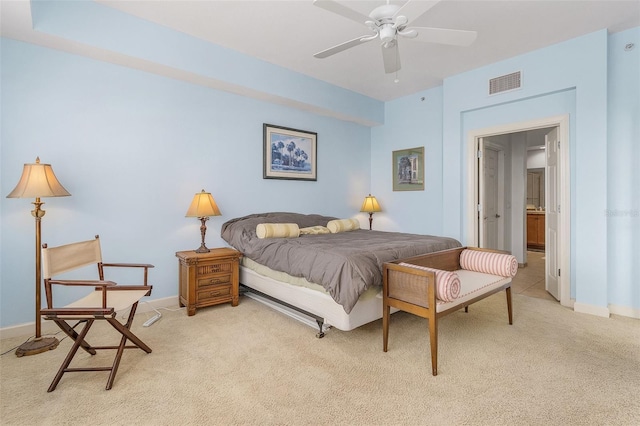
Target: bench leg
386, 313
433, 338
509, 308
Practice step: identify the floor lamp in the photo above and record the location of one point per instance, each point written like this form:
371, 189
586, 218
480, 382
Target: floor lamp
38, 181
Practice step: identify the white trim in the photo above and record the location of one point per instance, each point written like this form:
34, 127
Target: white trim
48, 327
583, 308
625, 311
562, 122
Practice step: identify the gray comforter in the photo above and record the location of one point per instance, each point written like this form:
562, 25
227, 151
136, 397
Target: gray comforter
345, 264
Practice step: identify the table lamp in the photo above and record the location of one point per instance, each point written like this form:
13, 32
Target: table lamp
370, 206
203, 206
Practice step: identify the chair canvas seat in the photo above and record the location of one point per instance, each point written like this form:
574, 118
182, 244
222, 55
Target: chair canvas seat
118, 300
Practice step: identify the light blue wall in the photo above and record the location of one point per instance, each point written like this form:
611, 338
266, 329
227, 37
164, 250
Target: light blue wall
581, 65
412, 121
593, 81
623, 169
106, 28
133, 148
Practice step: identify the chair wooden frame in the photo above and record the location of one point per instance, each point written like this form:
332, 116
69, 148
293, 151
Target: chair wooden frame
102, 304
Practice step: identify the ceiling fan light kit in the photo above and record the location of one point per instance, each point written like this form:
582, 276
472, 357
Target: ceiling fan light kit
387, 33
387, 24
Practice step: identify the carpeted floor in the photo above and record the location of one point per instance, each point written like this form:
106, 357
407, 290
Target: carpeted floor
252, 365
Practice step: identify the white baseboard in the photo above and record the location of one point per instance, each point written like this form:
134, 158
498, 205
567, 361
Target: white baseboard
584, 308
625, 311
48, 327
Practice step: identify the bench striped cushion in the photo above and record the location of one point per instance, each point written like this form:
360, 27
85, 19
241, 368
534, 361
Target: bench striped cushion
447, 282
504, 265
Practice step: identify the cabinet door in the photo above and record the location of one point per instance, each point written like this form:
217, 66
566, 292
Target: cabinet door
541, 229
532, 229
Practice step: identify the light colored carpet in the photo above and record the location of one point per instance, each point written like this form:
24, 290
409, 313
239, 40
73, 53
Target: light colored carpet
252, 365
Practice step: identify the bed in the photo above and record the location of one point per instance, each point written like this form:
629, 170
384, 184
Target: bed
312, 274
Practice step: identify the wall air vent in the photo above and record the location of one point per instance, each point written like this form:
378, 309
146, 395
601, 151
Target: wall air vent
505, 83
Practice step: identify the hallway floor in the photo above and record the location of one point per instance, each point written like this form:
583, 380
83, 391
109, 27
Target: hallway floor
530, 279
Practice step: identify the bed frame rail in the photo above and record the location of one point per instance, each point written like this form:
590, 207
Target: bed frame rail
249, 292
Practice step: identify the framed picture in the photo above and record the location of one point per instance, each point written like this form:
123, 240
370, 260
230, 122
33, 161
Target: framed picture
289, 153
408, 169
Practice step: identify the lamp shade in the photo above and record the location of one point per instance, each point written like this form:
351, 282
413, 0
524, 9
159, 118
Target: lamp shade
370, 205
203, 205
38, 180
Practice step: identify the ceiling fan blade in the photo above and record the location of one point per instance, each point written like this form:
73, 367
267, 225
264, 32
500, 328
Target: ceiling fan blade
347, 12
343, 46
391, 58
444, 36
412, 10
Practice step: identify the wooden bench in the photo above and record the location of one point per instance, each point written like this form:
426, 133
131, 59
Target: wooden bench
410, 285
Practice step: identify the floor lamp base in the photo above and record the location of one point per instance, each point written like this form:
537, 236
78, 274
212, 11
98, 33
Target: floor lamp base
37, 345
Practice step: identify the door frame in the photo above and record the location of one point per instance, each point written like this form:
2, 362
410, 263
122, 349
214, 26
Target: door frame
563, 188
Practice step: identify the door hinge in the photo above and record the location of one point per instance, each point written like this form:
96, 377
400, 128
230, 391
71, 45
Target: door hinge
558, 272
479, 154
558, 144
479, 206
558, 208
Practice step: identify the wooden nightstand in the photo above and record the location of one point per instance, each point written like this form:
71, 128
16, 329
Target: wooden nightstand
208, 279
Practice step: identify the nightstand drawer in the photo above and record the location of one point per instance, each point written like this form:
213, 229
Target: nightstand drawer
213, 280
218, 292
215, 268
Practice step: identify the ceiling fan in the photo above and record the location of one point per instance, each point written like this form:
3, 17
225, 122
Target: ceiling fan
389, 21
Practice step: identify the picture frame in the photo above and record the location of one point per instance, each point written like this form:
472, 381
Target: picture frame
408, 169
289, 153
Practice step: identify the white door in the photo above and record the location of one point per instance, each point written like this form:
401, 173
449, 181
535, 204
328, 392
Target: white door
490, 188
552, 219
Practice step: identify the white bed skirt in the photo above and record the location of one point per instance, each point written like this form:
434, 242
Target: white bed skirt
368, 308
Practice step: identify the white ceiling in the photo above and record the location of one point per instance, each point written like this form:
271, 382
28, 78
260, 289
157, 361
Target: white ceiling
288, 33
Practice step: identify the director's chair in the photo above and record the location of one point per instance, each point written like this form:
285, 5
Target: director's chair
103, 303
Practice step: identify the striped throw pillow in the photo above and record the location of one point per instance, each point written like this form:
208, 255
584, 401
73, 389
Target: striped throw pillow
343, 225
277, 230
504, 265
447, 282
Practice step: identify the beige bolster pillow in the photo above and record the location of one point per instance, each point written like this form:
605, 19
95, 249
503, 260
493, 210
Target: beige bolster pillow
504, 265
343, 225
277, 230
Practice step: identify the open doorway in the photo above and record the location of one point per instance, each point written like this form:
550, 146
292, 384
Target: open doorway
497, 186
519, 216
